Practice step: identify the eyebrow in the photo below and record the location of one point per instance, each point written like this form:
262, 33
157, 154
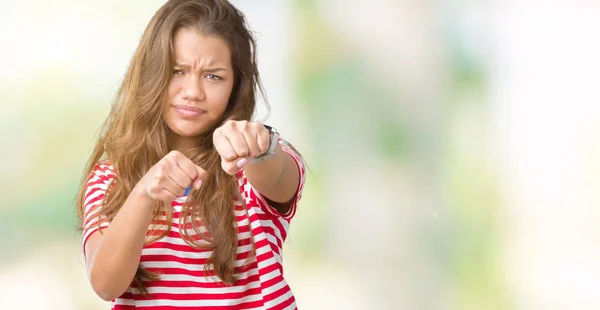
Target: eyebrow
209, 70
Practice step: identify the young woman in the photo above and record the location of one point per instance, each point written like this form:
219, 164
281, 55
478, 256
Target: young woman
186, 202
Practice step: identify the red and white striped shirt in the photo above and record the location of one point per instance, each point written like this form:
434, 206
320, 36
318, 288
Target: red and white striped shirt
183, 282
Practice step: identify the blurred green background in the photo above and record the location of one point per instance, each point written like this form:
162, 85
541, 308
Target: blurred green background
453, 147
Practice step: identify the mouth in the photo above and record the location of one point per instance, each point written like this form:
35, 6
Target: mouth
188, 111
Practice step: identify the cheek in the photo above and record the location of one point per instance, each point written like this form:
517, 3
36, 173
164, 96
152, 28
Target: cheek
220, 99
172, 91
224, 100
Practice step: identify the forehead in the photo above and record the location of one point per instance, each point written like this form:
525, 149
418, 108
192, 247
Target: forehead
191, 47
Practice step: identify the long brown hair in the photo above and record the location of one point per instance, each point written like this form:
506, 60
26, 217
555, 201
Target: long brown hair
135, 136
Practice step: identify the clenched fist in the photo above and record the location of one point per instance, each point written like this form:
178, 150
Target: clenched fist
170, 177
239, 141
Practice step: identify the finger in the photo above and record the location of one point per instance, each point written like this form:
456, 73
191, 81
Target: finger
173, 186
188, 167
171, 178
201, 174
251, 138
224, 147
263, 139
230, 167
167, 175
179, 178
240, 163
195, 173
171, 166
239, 144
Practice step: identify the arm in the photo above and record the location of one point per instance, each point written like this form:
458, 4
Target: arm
277, 177
114, 255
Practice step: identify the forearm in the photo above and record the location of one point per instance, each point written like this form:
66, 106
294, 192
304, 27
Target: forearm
276, 177
114, 263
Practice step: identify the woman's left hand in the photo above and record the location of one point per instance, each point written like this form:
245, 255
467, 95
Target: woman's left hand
239, 141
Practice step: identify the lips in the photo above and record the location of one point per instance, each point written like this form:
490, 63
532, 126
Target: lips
188, 111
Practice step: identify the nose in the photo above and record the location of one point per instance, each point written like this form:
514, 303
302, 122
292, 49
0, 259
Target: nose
192, 88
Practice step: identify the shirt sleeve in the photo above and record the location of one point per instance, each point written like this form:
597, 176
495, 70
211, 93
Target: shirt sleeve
263, 202
96, 187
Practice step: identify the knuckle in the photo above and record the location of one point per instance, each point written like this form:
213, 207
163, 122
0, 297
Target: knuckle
257, 126
263, 144
231, 156
154, 188
221, 132
161, 177
162, 166
191, 173
161, 169
261, 128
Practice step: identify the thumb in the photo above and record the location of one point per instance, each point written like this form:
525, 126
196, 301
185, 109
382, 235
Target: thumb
197, 182
232, 167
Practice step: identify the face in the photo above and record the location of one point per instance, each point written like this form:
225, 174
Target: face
200, 86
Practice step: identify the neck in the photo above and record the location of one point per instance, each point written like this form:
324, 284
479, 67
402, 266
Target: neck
184, 144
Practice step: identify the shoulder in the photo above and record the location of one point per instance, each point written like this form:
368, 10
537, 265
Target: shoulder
288, 148
103, 172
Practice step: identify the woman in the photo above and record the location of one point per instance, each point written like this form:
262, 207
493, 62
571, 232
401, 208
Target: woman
186, 203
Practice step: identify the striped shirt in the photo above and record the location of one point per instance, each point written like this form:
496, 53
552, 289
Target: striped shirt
184, 283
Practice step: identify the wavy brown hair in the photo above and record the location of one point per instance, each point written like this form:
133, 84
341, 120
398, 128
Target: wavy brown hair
135, 136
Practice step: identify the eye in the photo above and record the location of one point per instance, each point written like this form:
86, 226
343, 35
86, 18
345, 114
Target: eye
212, 77
177, 72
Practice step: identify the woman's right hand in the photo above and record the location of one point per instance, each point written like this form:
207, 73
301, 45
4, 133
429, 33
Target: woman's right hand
170, 177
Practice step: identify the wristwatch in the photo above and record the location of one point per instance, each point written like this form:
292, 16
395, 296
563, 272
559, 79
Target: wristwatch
271, 151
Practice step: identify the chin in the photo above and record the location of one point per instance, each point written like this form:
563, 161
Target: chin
188, 132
